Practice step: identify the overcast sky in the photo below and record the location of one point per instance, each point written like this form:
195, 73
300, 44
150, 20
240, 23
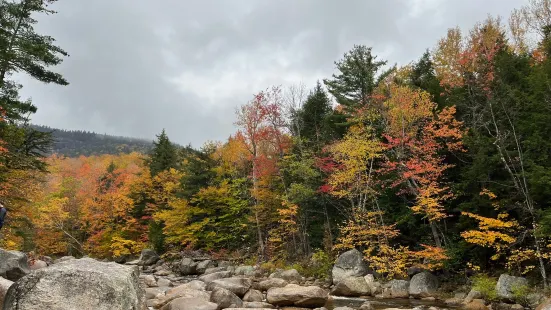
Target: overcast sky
138, 66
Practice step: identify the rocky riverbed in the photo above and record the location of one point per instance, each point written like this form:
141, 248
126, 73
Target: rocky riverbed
202, 283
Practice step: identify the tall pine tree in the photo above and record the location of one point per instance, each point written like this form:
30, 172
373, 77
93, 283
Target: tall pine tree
314, 116
358, 76
164, 155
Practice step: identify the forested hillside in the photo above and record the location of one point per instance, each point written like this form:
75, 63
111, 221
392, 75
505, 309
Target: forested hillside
442, 164
74, 143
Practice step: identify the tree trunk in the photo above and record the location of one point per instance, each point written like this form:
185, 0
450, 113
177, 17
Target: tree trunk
434, 229
539, 254
328, 227
259, 232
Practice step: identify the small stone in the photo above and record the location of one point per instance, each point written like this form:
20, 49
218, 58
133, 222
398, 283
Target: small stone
149, 280
476, 304
164, 282
366, 306
473, 294
38, 264
453, 301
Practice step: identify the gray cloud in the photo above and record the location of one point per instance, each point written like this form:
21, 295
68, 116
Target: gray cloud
139, 66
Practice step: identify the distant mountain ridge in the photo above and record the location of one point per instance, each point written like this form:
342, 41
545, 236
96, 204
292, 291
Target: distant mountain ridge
74, 143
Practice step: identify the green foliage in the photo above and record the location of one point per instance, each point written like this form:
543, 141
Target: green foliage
520, 294
220, 216
156, 236
164, 155
24, 50
74, 143
486, 286
357, 77
319, 266
198, 169
273, 183
272, 265
314, 118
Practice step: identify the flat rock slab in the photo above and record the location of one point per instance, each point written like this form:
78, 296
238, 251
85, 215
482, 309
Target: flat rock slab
83, 284
238, 286
296, 295
184, 303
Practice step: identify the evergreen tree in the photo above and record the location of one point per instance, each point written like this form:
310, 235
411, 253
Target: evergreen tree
24, 50
314, 116
164, 155
198, 169
424, 77
357, 77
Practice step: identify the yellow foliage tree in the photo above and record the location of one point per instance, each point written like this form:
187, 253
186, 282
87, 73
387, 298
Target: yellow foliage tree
352, 174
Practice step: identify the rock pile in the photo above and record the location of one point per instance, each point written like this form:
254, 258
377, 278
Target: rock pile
203, 283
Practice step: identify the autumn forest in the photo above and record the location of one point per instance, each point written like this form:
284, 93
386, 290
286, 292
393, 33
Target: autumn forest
443, 163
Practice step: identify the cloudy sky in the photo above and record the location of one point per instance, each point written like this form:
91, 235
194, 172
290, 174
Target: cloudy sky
138, 66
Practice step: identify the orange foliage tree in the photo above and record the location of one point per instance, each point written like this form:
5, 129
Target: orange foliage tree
262, 130
417, 138
84, 207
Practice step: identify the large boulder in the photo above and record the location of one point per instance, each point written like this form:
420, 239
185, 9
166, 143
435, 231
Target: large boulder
300, 296
506, 285
148, 257
352, 286
202, 266
193, 285
375, 286
224, 263
253, 296
289, 275
225, 298
214, 269
349, 264
152, 292
188, 267
13, 265
83, 284
190, 303
239, 286
208, 278
423, 284
396, 289
183, 291
244, 270
4, 286
272, 282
